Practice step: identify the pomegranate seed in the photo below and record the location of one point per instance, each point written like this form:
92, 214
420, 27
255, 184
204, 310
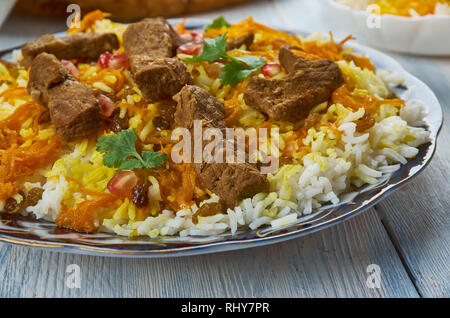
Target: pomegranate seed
106, 104
73, 70
118, 61
197, 37
271, 69
122, 183
190, 49
103, 60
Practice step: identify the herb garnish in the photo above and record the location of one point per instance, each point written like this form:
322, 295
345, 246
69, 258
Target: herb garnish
218, 23
237, 69
119, 151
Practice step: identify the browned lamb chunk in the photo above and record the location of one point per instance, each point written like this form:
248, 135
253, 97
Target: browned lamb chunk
72, 106
159, 77
78, 45
150, 46
74, 110
246, 39
232, 182
153, 37
46, 71
307, 84
194, 103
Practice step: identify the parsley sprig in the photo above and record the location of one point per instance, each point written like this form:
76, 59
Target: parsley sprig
218, 23
237, 69
119, 151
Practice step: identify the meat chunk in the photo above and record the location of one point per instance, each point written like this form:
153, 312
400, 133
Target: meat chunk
150, 46
238, 42
194, 103
74, 110
307, 84
72, 106
46, 71
159, 77
153, 37
86, 45
232, 182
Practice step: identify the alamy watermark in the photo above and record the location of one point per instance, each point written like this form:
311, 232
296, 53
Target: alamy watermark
73, 280
374, 19
227, 145
73, 21
374, 278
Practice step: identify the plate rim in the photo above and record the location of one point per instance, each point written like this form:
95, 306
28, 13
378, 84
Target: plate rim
228, 245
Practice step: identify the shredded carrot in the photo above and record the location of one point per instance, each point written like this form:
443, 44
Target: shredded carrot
330, 50
18, 159
343, 96
272, 37
83, 217
21, 114
88, 21
181, 27
363, 62
14, 92
17, 162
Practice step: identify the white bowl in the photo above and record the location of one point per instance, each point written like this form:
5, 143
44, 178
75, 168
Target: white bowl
427, 35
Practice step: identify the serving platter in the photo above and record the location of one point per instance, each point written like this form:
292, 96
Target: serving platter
28, 231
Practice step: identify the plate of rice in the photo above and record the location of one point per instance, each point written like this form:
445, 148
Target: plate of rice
88, 119
411, 27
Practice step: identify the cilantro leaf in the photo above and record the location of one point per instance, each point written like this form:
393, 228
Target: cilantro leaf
240, 68
213, 49
218, 23
153, 159
253, 62
237, 69
117, 148
119, 151
130, 164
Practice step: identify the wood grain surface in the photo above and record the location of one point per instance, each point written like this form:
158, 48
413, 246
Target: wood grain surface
407, 234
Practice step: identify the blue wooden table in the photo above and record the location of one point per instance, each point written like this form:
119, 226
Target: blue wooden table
406, 235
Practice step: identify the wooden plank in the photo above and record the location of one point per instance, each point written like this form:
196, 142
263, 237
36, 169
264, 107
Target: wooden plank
417, 216
331, 263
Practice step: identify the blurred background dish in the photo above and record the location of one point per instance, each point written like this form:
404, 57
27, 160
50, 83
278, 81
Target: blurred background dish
5, 8
400, 26
126, 10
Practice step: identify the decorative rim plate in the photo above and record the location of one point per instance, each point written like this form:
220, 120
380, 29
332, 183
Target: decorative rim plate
43, 234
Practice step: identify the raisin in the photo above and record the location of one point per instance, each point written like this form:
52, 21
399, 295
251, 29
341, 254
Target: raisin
11, 205
33, 196
157, 147
115, 123
140, 195
365, 122
160, 123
